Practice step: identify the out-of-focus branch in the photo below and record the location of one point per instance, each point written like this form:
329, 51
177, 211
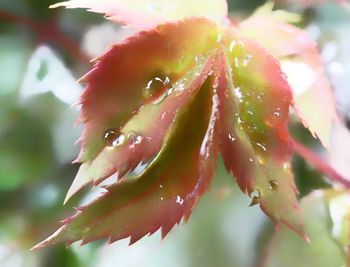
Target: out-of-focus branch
48, 31
318, 163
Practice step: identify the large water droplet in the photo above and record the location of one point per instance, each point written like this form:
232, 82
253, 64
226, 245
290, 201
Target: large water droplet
109, 136
273, 185
156, 86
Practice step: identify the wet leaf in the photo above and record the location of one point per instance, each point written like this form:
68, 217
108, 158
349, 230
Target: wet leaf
301, 62
161, 195
123, 78
254, 106
136, 85
171, 98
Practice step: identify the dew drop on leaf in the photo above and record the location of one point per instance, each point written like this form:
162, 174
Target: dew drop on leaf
179, 200
156, 86
273, 185
231, 137
261, 96
246, 60
110, 136
135, 138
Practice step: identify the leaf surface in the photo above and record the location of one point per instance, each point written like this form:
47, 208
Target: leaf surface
301, 62
138, 71
142, 136
161, 195
254, 106
145, 14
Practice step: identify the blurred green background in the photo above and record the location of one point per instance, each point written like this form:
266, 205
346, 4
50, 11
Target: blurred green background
42, 53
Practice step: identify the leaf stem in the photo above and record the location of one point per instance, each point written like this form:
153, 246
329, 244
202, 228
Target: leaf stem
48, 31
318, 163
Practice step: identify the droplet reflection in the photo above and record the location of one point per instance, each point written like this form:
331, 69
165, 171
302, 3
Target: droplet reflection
273, 185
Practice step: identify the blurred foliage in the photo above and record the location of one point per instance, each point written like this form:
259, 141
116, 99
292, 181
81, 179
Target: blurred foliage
36, 139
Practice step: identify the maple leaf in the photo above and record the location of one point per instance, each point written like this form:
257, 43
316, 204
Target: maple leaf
126, 80
173, 97
164, 192
300, 60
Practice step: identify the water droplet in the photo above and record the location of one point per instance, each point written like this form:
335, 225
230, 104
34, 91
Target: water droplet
156, 86
251, 160
262, 146
135, 138
276, 114
109, 136
160, 186
284, 76
231, 137
179, 86
119, 140
236, 46
251, 113
179, 200
255, 193
273, 185
163, 115
261, 160
237, 92
261, 96
161, 198
246, 60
